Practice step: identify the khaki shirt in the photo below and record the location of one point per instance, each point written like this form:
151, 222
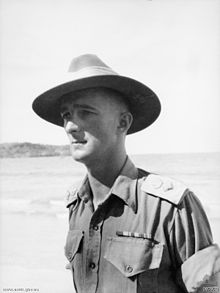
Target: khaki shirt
138, 238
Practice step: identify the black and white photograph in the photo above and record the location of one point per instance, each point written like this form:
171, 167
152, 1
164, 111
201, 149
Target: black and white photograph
110, 146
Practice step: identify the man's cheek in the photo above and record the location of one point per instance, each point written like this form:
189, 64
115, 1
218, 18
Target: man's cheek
95, 130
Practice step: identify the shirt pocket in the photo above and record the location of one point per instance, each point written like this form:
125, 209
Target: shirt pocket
73, 240
137, 259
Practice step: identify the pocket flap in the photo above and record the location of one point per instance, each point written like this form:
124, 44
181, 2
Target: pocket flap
132, 256
73, 241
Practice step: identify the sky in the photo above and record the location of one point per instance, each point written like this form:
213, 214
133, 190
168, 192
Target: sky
172, 46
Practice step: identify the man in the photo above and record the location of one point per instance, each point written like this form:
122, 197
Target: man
130, 231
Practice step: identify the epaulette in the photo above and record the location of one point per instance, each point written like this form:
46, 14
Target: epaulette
71, 196
164, 187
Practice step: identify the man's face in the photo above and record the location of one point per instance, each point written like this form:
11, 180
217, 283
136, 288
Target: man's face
91, 121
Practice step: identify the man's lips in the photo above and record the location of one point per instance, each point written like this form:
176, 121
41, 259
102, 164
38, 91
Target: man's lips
78, 142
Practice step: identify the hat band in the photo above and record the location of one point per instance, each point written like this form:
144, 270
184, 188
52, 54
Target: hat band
92, 71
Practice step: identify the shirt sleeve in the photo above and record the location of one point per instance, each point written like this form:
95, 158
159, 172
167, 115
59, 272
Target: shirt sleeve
190, 231
189, 234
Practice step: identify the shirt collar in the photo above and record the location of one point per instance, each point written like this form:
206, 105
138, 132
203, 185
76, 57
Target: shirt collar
125, 186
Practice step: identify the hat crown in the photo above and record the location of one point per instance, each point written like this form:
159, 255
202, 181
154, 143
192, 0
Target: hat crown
85, 61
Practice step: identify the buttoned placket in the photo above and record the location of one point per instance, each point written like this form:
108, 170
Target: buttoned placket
94, 249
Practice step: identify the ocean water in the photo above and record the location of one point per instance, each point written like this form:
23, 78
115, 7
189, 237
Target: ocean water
38, 185
34, 220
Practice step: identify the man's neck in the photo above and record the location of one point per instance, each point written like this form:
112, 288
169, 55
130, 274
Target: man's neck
102, 177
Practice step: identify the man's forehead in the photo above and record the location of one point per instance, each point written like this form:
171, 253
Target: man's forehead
89, 99
93, 97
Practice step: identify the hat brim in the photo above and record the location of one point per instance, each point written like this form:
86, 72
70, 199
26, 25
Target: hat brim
143, 102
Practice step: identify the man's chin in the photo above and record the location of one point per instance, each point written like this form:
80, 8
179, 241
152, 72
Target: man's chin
79, 156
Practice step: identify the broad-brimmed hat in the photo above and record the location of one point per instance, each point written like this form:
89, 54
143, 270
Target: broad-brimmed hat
88, 71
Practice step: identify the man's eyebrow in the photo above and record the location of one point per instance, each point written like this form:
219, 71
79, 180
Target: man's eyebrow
78, 106
84, 106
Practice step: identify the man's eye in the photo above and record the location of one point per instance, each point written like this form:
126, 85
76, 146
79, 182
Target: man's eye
84, 113
65, 115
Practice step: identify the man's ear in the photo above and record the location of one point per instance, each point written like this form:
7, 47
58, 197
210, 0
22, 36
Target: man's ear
125, 121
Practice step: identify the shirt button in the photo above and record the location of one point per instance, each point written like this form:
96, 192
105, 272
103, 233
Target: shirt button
92, 265
157, 183
129, 269
96, 228
85, 199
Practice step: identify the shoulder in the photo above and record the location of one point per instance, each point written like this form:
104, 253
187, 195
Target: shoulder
165, 188
71, 196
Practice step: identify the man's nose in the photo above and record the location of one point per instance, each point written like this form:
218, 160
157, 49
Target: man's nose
71, 126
